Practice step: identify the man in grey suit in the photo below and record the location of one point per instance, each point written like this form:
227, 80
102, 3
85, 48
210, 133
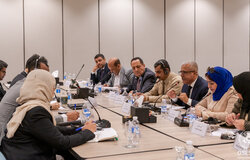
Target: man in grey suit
120, 77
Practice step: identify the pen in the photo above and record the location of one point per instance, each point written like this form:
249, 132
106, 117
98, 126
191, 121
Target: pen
79, 128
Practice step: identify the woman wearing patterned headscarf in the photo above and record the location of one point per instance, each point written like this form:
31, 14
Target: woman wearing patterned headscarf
221, 96
240, 118
31, 132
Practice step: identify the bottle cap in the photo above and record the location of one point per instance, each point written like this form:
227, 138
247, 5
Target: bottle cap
189, 142
164, 101
135, 117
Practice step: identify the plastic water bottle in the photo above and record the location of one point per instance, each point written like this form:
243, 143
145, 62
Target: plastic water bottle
69, 95
189, 151
136, 131
164, 108
130, 98
85, 113
191, 117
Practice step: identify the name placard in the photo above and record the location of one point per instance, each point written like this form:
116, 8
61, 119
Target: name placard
126, 108
199, 128
172, 114
242, 143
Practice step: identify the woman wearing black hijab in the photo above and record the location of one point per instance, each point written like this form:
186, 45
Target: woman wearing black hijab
240, 118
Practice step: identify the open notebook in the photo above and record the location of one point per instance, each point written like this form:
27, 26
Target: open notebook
106, 134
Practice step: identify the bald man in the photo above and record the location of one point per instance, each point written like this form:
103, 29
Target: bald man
120, 77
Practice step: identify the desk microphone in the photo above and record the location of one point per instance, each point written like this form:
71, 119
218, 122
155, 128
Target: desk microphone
166, 92
105, 76
73, 81
103, 123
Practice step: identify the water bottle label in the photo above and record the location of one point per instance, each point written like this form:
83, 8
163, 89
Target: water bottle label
132, 129
137, 130
86, 113
163, 108
189, 156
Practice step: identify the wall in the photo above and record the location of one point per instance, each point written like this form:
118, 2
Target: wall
71, 32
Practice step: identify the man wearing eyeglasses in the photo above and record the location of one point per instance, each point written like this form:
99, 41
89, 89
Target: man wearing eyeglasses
3, 66
194, 88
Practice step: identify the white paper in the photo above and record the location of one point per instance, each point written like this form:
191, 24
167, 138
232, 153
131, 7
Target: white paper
104, 134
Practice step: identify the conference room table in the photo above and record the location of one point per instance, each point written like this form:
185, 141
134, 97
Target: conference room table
166, 126
158, 140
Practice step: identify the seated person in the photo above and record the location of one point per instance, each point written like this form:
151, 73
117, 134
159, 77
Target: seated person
35, 61
100, 72
3, 67
194, 88
221, 98
143, 79
120, 77
31, 132
8, 104
240, 116
167, 81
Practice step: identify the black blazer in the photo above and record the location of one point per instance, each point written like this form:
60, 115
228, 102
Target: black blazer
38, 139
2, 92
199, 91
97, 77
147, 82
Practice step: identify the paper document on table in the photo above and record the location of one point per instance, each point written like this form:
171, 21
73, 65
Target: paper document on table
104, 135
223, 130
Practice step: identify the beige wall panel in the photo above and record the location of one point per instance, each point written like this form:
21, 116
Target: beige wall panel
180, 32
43, 30
80, 36
149, 30
11, 39
209, 20
116, 29
236, 56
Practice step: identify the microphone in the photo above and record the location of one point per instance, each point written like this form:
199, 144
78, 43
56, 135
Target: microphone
73, 81
105, 76
103, 123
166, 92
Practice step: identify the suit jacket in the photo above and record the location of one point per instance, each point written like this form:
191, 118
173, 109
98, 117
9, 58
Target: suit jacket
199, 91
2, 92
126, 77
218, 109
147, 82
97, 77
155, 94
19, 77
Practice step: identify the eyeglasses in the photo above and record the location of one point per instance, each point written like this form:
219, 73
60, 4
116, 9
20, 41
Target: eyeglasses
185, 72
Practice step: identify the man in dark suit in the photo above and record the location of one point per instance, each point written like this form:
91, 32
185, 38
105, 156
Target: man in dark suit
100, 72
35, 61
194, 88
3, 66
143, 79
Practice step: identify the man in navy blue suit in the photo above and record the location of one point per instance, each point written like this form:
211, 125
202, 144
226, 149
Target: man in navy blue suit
143, 79
100, 72
194, 88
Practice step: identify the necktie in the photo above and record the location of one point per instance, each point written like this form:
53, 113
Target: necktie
188, 91
138, 85
102, 74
